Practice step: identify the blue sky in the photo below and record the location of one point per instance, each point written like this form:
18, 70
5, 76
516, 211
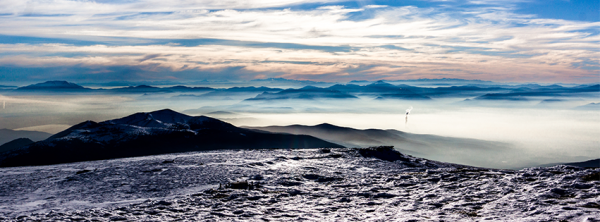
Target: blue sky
329, 40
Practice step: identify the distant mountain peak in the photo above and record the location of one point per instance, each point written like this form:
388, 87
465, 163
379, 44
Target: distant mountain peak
327, 125
53, 85
149, 133
159, 118
307, 92
166, 112
279, 79
381, 83
15, 144
310, 87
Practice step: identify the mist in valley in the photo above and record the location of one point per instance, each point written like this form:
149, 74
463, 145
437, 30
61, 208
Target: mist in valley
497, 134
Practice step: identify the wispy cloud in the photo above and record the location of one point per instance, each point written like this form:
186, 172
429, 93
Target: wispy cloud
486, 40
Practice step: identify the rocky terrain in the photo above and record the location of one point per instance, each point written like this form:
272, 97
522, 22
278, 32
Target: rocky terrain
370, 184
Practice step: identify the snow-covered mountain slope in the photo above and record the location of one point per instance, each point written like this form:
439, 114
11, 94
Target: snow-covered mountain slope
161, 118
158, 132
375, 184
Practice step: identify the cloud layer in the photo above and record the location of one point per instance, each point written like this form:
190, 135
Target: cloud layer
318, 40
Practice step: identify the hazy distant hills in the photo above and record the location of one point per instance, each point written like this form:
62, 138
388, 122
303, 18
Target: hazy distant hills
380, 90
343, 135
595, 163
449, 149
233, 93
64, 86
308, 92
53, 87
7, 135
237, 91
590, 106
457, 91
384, 90
430, 82
7, 87
142, 89
158, 132
291, 82
523, 93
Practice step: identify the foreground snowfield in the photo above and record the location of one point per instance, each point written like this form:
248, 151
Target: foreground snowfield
310, 184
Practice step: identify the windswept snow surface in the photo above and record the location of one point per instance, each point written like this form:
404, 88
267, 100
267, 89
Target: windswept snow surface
309, 184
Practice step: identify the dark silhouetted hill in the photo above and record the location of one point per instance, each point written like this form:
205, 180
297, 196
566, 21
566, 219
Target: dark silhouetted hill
524, 93
381, 90
589, 106
7, 135
53, 86
595, 163
141, 134
15, 144
450, 149
307, 92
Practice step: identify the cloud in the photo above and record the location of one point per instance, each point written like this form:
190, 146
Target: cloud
327, 41
376, 6
147, 57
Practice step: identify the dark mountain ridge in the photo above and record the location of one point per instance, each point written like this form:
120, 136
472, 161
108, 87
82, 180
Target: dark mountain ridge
152, 89
549, 91
307, 92
238, 91
53, 87
141, 134
15, 144
595, 163
7, 135
381, 90
448, 149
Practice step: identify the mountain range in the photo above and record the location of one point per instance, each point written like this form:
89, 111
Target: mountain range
589, 106
307, 92
380, 90
141, 134
448, 149
151, 89
15, 144
523, 93
53, 85
7, 135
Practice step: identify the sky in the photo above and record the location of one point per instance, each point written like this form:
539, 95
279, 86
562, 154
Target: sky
546, 41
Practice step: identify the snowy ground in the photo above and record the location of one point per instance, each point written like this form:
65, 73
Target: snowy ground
310, 184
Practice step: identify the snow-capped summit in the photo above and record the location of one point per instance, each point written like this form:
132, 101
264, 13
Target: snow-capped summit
160, 118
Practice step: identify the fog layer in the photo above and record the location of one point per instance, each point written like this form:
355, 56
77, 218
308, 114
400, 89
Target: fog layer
545, 129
